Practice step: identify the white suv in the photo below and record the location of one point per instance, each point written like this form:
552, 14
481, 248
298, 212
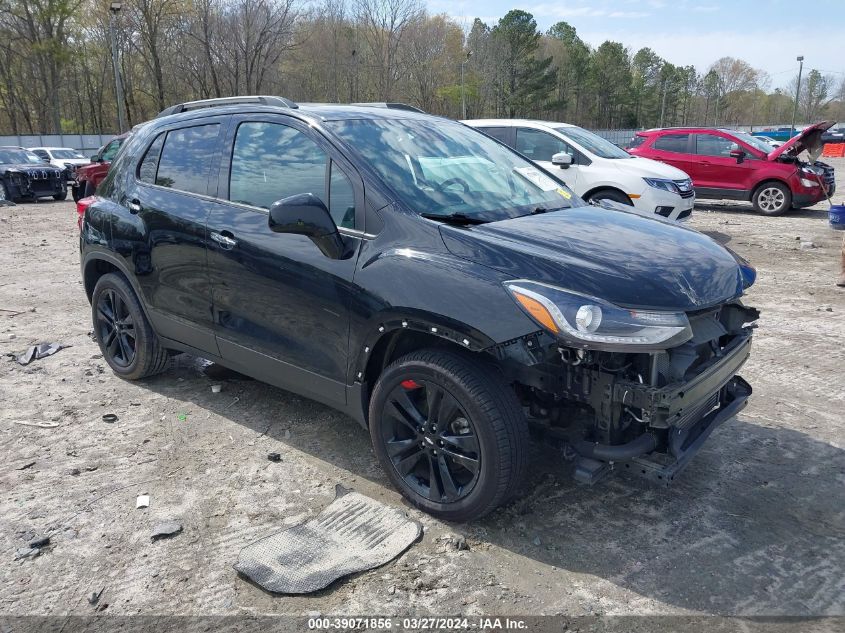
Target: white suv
595, 168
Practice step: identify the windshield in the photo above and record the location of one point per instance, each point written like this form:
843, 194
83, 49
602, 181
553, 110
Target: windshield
442, 168
754, 141
17, 157
593, 143
65, 153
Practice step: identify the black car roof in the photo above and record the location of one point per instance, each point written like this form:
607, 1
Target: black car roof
309, 112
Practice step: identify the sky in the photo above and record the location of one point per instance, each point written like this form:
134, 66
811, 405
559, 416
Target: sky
769, 34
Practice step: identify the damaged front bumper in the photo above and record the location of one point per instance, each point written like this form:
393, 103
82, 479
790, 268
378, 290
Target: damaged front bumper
677, 418
685, 443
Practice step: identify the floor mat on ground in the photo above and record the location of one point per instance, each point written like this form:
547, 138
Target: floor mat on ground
353, 533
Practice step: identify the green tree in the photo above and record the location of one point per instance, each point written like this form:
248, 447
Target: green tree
525, 81
571, 58
610, 83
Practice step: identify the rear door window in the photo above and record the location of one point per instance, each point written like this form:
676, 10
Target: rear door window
186, 158
678, 143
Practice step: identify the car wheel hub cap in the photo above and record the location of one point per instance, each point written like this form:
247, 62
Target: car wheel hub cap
431, 442
771, 199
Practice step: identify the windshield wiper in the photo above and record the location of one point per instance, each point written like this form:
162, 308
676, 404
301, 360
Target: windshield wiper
539, 210
454, 218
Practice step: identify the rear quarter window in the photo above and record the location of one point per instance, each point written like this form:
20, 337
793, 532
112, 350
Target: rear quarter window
636, 142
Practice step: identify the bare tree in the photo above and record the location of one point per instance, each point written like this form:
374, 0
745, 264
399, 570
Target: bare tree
383, 24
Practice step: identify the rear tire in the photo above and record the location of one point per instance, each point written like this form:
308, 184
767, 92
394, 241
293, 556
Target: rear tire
772, 198
465, 457
610, 194
126, 339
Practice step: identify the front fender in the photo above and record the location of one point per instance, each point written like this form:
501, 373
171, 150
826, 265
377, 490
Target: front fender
436, 293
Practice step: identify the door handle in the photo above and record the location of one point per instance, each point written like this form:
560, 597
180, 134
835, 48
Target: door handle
224, 239
134, 206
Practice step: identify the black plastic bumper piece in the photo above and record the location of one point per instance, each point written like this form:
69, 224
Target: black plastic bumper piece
685, 444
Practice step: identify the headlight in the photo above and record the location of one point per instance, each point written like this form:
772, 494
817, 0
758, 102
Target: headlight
593, 323
809, 183
662, 183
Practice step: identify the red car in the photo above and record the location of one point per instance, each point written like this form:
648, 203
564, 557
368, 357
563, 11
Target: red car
738, 166
89, 177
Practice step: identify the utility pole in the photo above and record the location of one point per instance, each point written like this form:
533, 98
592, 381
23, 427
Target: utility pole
463, 96
118, 84
800, 60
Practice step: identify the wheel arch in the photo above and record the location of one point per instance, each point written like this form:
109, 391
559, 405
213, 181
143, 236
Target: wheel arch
604, 187
399, 334
98, 264
766, 181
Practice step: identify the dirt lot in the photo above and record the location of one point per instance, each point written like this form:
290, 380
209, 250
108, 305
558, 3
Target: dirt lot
755, 526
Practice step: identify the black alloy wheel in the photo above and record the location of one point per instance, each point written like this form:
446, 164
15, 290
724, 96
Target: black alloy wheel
449, 432
127, 340
431, 441
116, 328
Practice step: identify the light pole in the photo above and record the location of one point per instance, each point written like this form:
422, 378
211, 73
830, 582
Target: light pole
463, 96
800, 60
114, 9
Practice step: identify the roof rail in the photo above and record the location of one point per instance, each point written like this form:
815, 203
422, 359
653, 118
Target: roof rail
390, 106
279, 102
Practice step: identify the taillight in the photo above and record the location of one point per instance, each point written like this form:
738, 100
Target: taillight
81, 206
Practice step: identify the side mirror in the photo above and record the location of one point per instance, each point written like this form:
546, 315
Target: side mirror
305, 214
562, 159
738, 154
95, 158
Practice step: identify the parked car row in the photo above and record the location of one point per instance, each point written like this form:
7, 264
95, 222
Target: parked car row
430, 281
40, 172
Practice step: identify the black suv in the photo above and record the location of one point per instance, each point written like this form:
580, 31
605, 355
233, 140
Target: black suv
425, 279
25, 175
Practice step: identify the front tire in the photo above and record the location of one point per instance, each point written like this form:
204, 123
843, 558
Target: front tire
61, 196
772, 198
126, 339
449, 432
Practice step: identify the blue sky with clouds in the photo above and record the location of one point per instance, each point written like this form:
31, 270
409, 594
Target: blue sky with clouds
769, 34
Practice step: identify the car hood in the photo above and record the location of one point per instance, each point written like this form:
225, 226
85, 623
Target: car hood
29, 168
809, 139
625, 258
73, 161
647, 168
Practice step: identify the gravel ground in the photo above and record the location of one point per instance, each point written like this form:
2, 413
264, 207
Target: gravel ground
756, 525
